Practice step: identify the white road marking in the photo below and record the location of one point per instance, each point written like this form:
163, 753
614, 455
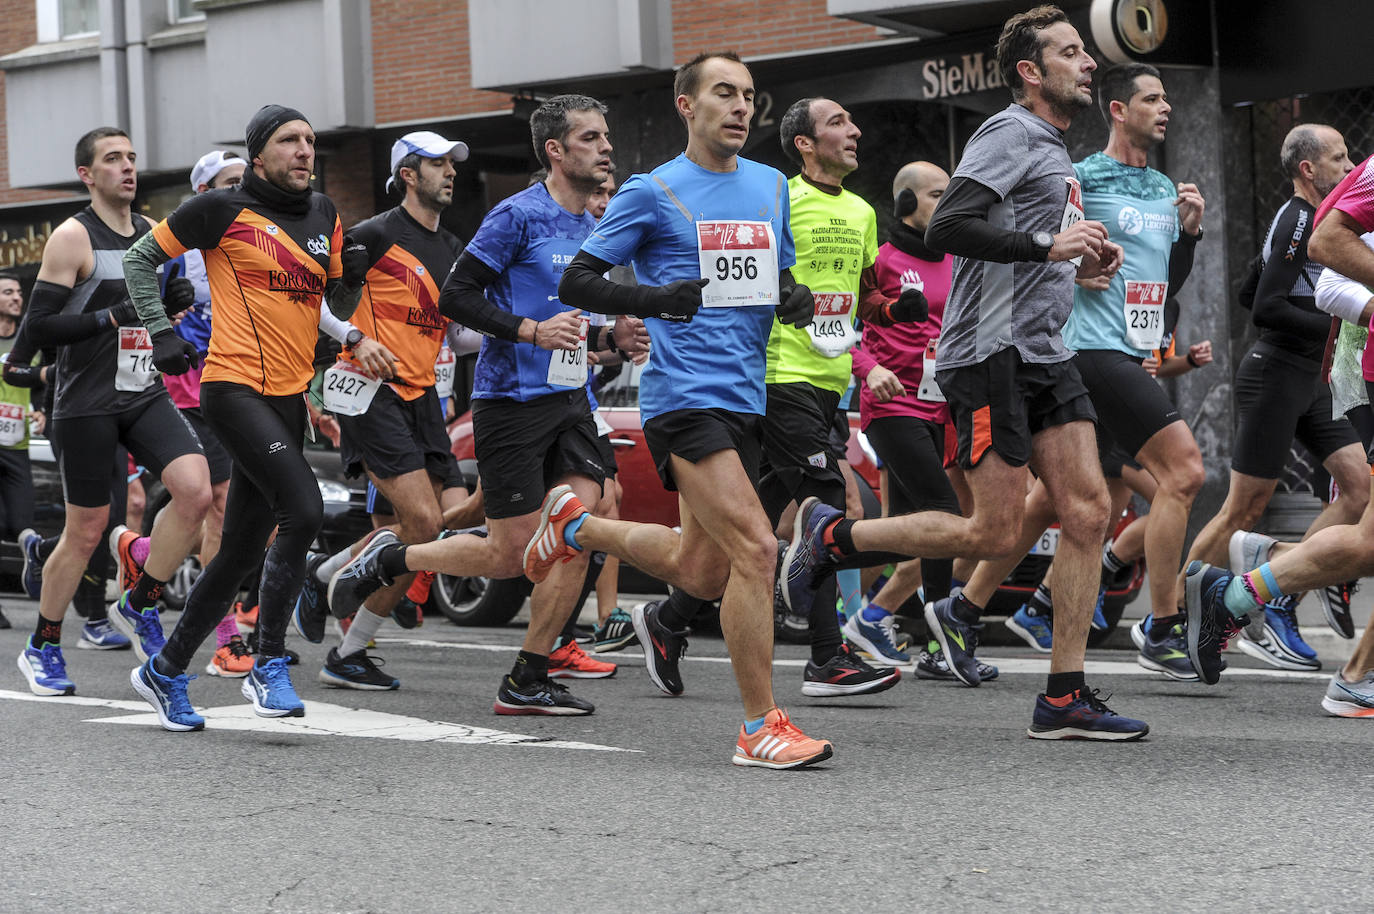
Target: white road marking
1004, 664
323, 719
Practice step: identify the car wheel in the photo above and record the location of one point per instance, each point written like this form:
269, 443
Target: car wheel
479, 600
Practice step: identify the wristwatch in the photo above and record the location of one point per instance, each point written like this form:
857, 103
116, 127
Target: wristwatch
1042, 242
1192, 239
354, 337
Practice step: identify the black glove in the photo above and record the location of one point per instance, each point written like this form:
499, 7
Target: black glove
178, 294
679, 300
124, 314
354, 257
172, 354
798, 306
910, 307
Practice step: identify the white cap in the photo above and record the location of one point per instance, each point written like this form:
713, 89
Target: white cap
211, 164
427, 144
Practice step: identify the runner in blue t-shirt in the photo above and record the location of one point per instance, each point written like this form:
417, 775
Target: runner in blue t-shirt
532, 426
707, 230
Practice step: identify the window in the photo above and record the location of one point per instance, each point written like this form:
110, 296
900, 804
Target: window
59, 20
183, 11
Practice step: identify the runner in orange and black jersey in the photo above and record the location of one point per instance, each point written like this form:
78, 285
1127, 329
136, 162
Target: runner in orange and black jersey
273, 251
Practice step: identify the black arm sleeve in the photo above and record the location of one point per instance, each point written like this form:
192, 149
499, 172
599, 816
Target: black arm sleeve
48, 326
1273, 309
1180, 263
583, 286
960, 226
18, 372
462, 300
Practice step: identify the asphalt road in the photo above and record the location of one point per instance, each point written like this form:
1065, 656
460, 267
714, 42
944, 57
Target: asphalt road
1244, 797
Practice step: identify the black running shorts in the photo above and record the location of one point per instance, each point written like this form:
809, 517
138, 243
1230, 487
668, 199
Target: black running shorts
397, 436
693, 434
215, 454
154, 431
1130, 405
1000, 403
524, 448
798, 429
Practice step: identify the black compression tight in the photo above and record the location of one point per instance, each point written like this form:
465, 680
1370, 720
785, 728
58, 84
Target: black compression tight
272, 486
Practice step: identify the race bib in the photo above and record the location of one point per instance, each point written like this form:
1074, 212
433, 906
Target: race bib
135, 370
741, 260
13, 424
1144, 312
568, 367
929, 390
832, 330
1073, 212
443, 372
347, 390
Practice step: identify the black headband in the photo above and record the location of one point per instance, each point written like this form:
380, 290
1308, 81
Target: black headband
265, 123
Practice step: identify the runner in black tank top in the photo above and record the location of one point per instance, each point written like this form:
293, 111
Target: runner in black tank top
106, 395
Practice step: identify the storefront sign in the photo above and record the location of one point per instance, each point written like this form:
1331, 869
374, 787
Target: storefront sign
959, 74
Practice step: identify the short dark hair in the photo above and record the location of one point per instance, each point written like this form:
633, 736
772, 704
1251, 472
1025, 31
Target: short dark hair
1118, 85
688, 78
552, 120
85, 147
6, 274
1303, 144
1020, 40
411, 161
797, 122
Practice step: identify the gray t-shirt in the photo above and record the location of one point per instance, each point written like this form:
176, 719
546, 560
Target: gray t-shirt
993, 306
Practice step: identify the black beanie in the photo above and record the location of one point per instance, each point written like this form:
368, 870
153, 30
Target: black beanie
265, 123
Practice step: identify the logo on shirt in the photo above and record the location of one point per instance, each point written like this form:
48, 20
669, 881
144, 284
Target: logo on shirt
427, 320
319, 245
910, 279
270, 229
817, 460
419, 270
1130, 220
299, 284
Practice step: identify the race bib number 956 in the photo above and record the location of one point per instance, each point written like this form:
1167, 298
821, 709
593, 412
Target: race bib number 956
741, 260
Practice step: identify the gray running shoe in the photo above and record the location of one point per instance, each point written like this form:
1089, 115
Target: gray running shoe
360, 578
1349, 699
1249, 550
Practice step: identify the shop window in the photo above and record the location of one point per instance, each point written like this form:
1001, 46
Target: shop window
59, 20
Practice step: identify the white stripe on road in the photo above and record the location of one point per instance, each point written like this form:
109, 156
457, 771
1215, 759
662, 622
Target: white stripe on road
1003, 664
324, 719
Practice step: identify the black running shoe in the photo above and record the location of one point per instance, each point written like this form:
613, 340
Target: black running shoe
356, 671
930, 664
542, 697
406, 614
847, 674
1335, 602
361, 577
311, 607
1210, 624
958, 640
663, 648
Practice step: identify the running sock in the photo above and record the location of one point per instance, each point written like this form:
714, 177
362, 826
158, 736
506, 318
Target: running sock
937, 578
570, 530
227, 630
679, 610
47, 632
1110, 561
529, 668
1251, 590
164, 667
966, 611
753, 726
1160, 626
850, 581
333, 564
139, 550
1042, 602
145, 592
824, 625
838, 538
1062, 686
365, 625
873, 613
392, 560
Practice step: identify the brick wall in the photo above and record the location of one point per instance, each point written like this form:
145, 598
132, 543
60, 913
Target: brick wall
18, 29
420, 47
348, 178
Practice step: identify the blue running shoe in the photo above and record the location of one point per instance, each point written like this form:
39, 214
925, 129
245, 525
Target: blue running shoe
45, 669
1086, 716
268, 687
360, 578
1033, 628
101, 636
311, 610
167, 695
958, 640
144, 628
1168, 655
1281, 645
1099, 620
32, 575
875, 637
806, 557
1141, 630
1210, 624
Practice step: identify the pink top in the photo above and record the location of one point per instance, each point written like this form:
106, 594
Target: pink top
902, 348
1354, 196
184, 388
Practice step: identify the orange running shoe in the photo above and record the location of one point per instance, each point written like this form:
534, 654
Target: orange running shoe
418, 592
571, 662
548, 547
233, 661
246, 619
779, 744
121, 547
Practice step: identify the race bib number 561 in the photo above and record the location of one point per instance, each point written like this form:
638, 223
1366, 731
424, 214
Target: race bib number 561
741, 260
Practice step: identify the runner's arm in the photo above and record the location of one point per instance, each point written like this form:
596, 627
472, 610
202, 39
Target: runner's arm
960, 226
463, 301
1181, 260
337, 330
1273, 310
584, 286
140, 275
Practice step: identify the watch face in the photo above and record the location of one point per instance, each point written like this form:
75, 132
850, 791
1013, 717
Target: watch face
1044, 240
